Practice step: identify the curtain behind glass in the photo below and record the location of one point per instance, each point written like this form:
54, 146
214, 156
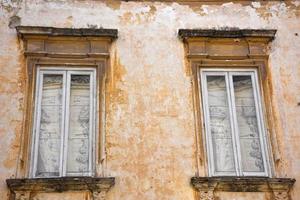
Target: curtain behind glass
79, 124
251, 154
220, 124
50, 126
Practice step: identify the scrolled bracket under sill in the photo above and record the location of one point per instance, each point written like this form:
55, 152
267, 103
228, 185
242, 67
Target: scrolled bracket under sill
207, 186
21, 189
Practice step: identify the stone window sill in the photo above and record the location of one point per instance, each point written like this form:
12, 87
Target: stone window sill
21, 189
279, 187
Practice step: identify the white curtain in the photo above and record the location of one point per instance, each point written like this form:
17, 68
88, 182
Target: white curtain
220, 124
49, 150
247, 123
79, 125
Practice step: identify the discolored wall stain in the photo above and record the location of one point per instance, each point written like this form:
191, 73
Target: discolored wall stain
150, 128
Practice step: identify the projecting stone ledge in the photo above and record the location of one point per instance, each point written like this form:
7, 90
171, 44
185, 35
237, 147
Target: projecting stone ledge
52, 31
279, 187
21, 189
226, 33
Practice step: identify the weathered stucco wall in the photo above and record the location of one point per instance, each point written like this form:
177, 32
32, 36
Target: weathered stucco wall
150, 128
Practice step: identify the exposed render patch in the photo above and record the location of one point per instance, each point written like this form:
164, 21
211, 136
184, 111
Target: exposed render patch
14, 21
11, 5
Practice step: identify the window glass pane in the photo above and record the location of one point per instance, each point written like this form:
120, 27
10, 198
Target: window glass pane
50, 126
247, 124
79, 124
220, 124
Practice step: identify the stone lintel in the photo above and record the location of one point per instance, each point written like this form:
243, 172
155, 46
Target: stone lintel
227, 44
227, 33
62, 184
66, 42
242, 184
75, 32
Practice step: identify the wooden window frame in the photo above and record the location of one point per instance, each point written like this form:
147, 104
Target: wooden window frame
66, 72
64, 48
228, 73
33, 64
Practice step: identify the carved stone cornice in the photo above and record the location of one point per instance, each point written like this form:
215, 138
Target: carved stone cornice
279, 187
21, 189
226, 44
78, 32
66, 42
227, 33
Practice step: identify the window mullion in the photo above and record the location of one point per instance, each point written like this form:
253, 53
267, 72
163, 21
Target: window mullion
62, 124
92, 115
66, 122
233, 119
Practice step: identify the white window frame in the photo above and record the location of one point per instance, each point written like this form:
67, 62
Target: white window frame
228, 73
66, 72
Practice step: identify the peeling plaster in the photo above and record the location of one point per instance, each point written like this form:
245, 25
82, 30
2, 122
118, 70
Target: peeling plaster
150, 126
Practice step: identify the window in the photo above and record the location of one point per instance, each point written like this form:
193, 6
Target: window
228, 99
233, 122
64, 122
64, 111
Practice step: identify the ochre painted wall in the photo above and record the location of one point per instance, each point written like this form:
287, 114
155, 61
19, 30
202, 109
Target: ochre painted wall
150, 127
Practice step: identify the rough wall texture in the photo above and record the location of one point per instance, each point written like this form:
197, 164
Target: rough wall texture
150, 128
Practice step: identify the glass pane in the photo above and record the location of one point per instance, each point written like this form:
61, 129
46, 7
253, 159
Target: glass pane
50, 126
247, 123
220, 124
79, 124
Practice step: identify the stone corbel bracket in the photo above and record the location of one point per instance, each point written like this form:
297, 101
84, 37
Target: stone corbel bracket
22, 189
206, 186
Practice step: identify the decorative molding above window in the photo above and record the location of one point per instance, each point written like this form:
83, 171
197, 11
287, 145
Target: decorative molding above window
52, 31
66, 42
230, 33
23, 189
232, 43
279, 187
